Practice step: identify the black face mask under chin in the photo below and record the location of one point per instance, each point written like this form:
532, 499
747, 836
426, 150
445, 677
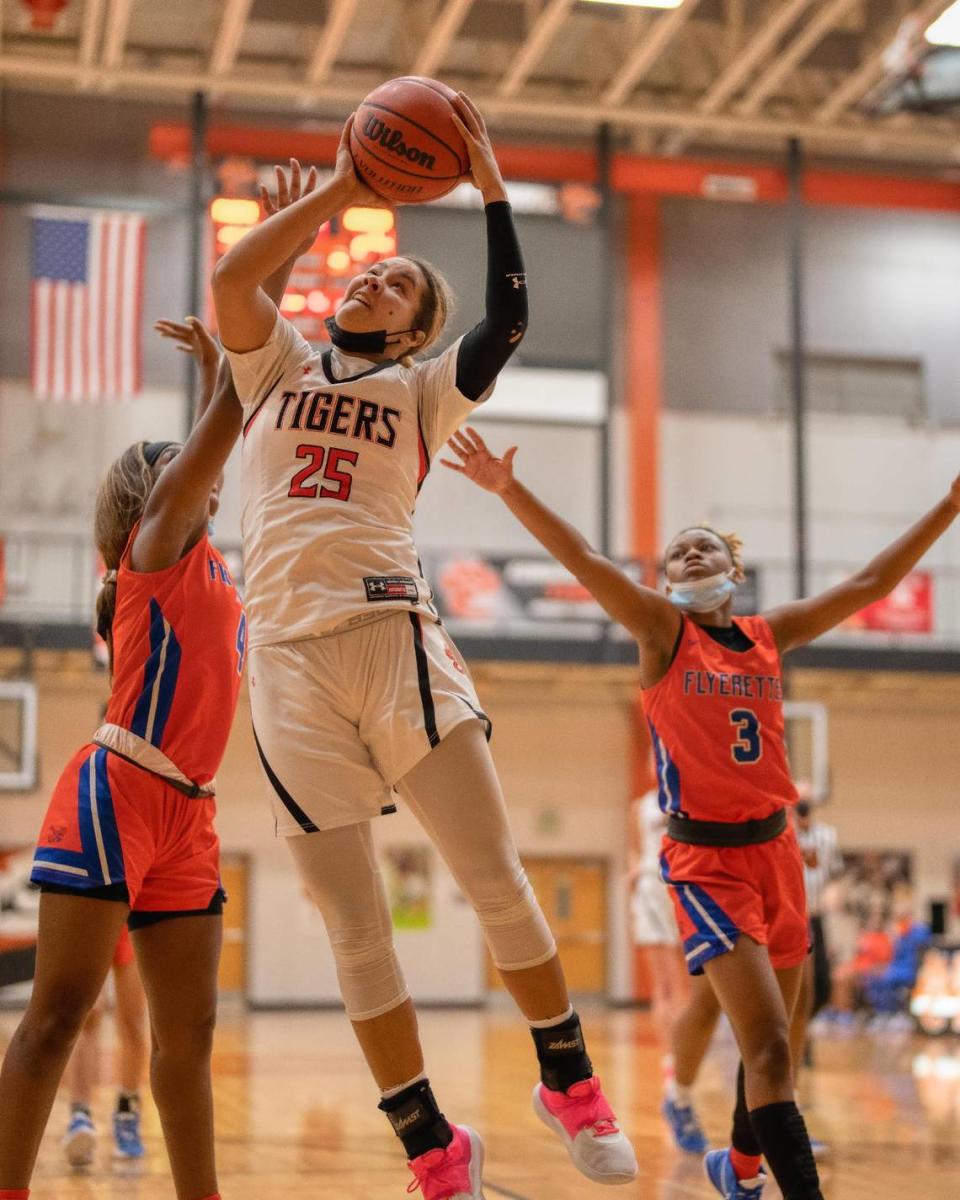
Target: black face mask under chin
374, 342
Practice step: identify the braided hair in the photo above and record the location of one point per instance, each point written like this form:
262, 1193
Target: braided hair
121, 499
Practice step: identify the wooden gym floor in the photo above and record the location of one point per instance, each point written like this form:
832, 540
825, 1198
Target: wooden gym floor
297, 1118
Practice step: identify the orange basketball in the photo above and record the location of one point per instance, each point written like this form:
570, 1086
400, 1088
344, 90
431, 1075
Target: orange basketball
404, 142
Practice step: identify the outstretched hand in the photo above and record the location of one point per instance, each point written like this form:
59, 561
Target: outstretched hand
192, 337
289, 191
478, 464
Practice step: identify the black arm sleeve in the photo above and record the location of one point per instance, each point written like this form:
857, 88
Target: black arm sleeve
485, 349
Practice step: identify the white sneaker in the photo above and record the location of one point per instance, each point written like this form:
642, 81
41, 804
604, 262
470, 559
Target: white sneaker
588, 1129
80, 1140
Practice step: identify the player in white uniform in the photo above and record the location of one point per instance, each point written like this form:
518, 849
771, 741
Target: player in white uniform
356, 690
653, 921
684, 1013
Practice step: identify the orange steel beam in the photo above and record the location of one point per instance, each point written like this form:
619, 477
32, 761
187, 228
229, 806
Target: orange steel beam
689, 177
880, 191
631, 174
172, 142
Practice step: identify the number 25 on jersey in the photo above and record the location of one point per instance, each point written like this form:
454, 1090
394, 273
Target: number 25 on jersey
331, 462
748, 747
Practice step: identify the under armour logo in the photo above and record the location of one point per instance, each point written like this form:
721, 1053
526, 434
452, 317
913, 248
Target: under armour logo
56, 834
519, 280
515, 334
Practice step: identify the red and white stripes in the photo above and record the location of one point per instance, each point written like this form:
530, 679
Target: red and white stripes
86, 335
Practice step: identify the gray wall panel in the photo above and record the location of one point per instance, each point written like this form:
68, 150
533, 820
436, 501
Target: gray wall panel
563, 270
881, 283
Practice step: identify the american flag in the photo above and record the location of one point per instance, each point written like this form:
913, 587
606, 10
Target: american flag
87, 297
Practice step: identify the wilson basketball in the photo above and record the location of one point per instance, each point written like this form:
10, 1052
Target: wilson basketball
404, 142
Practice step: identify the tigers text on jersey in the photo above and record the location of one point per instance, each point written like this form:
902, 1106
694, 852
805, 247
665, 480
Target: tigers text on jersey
179, 640
334, 453
716, 722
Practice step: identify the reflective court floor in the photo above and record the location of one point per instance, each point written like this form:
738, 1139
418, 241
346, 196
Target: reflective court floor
297, 1117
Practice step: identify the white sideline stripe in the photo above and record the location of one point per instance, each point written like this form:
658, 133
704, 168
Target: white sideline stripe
49, 866
95, 812
671, 800
155, 694
706, 916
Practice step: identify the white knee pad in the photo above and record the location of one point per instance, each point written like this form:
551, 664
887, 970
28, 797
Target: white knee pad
371, 981
515, 928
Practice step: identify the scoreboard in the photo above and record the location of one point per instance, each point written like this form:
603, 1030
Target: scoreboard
344, 246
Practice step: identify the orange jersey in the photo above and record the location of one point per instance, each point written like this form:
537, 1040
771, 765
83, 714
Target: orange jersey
716, 722
179, 642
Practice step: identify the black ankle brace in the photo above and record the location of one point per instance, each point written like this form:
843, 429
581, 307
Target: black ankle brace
562, 1055
417, 1120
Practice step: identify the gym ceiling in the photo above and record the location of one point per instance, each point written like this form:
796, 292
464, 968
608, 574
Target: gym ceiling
704, 76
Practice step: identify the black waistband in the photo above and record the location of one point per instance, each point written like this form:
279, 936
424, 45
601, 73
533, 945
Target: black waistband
727, 833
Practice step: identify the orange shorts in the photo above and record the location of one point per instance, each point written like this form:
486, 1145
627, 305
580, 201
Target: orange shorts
123, 955
720, 892
111, 823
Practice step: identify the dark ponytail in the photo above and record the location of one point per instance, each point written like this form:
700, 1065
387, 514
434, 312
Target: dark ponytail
121, 499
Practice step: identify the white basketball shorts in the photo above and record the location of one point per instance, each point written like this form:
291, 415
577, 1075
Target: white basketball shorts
652, 913
338, 720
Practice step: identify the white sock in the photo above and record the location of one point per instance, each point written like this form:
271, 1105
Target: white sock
681, 1096
395, 1091
552, 1021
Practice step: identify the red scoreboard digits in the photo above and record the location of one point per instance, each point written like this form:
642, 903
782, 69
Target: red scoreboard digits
344, 246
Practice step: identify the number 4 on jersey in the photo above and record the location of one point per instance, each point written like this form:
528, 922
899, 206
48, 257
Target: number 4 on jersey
748, 747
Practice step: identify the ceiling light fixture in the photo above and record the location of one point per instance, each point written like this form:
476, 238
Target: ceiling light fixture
945, 31
639, 3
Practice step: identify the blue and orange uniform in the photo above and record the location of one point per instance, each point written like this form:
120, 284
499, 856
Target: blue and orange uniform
131, 816
729, 857
123, 953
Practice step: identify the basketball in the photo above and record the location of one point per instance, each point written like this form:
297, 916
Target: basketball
404, 142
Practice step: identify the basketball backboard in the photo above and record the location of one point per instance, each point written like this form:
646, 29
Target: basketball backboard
18, 735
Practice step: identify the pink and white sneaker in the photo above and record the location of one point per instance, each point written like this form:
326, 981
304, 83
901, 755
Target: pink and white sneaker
453, 1173
587, 1127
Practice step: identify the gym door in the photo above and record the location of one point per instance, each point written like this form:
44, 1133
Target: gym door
573, 895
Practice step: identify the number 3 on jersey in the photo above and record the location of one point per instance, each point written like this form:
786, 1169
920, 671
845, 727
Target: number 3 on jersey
748, 748
335, 459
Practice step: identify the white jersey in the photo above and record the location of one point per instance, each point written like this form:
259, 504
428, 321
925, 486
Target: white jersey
334, 453
651, 826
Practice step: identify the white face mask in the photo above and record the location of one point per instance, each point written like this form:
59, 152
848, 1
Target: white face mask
703, 595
